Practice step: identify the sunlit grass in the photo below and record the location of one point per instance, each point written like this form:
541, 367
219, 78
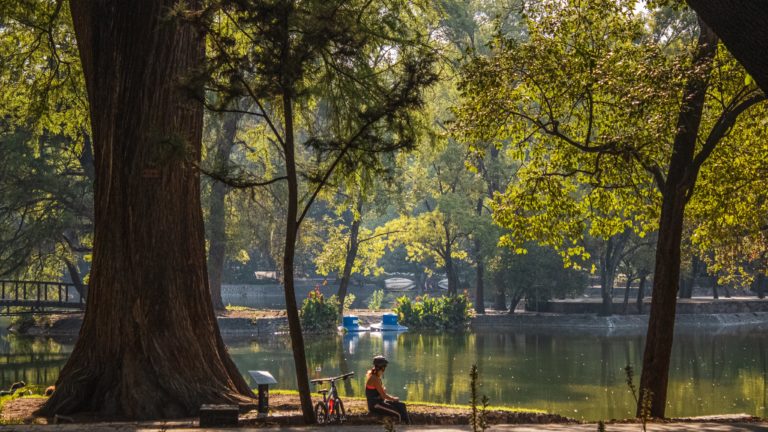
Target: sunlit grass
427, 404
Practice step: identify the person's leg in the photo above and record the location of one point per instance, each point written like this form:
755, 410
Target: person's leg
387, 409
400, 407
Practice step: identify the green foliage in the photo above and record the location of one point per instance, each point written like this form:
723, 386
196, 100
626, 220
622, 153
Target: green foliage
319, 314
46, 194
536, 275
348, 300
376, 299
573, 103
438, 313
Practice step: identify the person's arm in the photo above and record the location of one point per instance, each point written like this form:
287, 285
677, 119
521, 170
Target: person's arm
382, 391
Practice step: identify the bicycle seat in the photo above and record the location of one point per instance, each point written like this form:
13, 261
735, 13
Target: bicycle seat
323, 391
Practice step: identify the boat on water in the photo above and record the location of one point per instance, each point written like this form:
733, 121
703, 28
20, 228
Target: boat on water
351, 323
399, 284
388, 323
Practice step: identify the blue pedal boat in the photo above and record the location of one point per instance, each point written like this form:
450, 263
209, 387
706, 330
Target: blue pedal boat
388, 323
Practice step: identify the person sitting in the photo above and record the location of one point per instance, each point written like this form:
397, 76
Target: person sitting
379, 402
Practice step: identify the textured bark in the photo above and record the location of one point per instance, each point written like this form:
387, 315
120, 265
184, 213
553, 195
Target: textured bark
675, 193
217, 221
149, 346
291, 234
349, 261
742, 27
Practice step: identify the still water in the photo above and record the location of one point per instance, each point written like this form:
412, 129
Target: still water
575, 374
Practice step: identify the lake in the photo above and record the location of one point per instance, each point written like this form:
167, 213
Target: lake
575, 374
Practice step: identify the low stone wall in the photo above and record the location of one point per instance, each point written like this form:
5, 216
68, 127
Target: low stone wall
684, 306
232, 327
252, 327
629, 324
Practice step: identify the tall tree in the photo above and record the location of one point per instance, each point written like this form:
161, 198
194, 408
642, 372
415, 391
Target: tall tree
583, 119
221, 151
323, 79
149, 346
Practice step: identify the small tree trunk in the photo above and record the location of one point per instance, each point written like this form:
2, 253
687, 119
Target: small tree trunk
480, 287
715, 295
513, 304
74, 274
641, 293
450, 272
349, 261
675, 193
291, 234
500, 298
217, 221
606, 291
759, 285
625, 307
149, 346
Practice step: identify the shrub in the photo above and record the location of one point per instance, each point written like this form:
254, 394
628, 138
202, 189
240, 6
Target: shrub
446, 312
374, 303
317, 313
348, 300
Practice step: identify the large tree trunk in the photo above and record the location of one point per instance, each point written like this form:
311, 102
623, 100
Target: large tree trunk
742, 27
349, 261
291, 234
675, 193
149, 346
217, 221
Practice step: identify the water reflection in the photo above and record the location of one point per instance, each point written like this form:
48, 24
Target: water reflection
575, 374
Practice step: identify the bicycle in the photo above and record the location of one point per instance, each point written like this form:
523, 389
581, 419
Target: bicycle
331, 409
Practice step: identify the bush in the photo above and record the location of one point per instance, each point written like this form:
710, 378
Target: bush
348, 300
319, 314
439, 313
377, 298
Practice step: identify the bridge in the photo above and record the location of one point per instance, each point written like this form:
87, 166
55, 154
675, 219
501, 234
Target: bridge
18, 297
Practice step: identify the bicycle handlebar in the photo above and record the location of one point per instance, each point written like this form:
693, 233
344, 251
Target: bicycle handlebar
332, 379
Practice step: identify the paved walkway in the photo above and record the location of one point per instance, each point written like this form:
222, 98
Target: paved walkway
669, 427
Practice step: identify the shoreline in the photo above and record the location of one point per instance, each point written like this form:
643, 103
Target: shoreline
258, 323
284, 412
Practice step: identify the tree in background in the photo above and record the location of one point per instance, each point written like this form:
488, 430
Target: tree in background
537, 275
46, 190
590, 117
337, 80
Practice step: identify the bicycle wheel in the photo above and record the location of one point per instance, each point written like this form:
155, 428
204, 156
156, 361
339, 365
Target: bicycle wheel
321, 413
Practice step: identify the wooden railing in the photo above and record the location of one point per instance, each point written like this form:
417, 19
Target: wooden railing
39, 297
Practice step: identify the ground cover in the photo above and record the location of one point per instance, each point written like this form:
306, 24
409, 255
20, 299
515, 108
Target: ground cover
285, 410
